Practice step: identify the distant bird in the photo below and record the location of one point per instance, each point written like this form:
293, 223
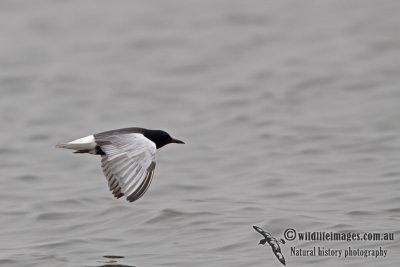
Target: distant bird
127, 157
273, 242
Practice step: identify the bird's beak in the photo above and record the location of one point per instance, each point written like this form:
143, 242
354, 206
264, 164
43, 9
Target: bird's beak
177, 141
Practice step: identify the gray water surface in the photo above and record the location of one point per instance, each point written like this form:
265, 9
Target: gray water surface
290, 111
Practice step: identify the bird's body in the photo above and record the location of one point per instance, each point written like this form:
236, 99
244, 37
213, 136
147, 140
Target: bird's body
273, 242
127, 157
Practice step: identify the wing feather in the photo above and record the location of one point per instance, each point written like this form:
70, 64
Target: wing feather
128, 163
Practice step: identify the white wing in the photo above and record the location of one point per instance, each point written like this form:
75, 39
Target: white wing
128, 163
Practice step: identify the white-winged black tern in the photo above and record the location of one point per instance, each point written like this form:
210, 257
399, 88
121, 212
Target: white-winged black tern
127, 157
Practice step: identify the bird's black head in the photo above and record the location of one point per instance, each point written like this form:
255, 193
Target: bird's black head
160, 138
262, 241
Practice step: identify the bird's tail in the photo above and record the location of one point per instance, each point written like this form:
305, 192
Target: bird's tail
85, 143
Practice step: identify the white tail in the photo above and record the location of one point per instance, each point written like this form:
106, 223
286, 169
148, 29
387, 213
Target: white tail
85, 143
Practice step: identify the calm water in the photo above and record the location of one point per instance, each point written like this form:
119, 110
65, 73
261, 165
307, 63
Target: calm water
290, 111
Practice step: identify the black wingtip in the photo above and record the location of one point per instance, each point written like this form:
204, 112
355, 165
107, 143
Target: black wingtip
258, 229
